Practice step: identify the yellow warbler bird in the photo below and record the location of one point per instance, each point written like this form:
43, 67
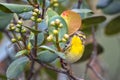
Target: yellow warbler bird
75, 47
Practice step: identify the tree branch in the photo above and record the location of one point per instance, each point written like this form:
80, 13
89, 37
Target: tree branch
93, 57
79, 4
58, 70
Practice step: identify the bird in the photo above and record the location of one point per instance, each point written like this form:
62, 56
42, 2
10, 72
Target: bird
74, 47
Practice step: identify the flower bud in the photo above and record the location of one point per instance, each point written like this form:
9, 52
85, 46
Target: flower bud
34, 14
66, 36
36, 10
19, 38
39, 20
18, 25
20, 22
55, 1
52, 23
17, 30
50, 38
39, 12
55, 32
56, 4
32, 18
13, 40
60, 25
12, 28
63, 40
11, 25
57, 21
23, 30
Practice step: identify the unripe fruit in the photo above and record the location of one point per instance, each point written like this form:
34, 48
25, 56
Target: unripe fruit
50, 38
55, 32
13, 40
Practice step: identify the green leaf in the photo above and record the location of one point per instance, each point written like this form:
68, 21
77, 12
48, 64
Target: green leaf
40, 38
60, 54
88, 52
104, 3
46, 56
50, 13
88, 31
82, 10
16, 67
5, 19
62, 30
113, 8
1, 36
22, 52
26, 15
33, 30
42, 26
15, 8
87, 22
3, 77
52, 74
113, 27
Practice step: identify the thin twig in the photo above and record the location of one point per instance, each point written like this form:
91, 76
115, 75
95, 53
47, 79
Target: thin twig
31, 71
43, 9
79, 4
93, 57
58, 70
